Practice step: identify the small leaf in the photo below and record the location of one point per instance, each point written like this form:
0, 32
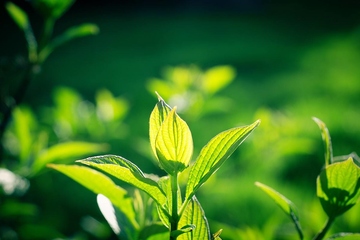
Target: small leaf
157, 117
285, 204
153, 230
194, 215
184, 229
217, 78
126, 171
345, 236
338, 187
214, 154
70, 34
63, 151
22, 20
52, 8
100, 184
327, 141
173, 143
216, 236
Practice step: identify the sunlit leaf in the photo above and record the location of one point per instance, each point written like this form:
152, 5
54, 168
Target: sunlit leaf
108, 107
217, 78
128, 172
173, 143
338, 187
327, 141
70, 34
345, 236
216, 236
213, 155
64, 151
157, 117
100, 184
284, 203
194, 215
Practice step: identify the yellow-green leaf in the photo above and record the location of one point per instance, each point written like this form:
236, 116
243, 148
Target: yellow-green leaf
285, 204
217, 78
214, 154
173, 144
327, 141
338, 187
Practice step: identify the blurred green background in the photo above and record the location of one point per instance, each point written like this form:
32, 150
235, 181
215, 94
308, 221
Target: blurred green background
288, 61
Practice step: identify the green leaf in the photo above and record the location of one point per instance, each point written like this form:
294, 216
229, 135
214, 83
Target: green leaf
64, 151
22, 20
173, 143
214, 154
285, 204
345, 236
154, 230
194, 215
216, 236
327, 141
338, 187
70, 34
126, 171
52, 8
18, 15
100, 184
217, 78
157, 117
185, 229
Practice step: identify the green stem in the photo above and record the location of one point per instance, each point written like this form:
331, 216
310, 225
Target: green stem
174, 205
322, 233
47, 32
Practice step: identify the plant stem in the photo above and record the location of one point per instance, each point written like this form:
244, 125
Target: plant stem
322, 233
174, 205
47, 32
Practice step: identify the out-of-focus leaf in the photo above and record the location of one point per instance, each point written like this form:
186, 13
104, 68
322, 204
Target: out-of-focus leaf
345, 236
22, 20
173, 143
52, 8
214, 154
327, 141
128, 172
100, 184
337, 187
64, 151
18, 15
285, 204
194, 215
217, 78
24, 122
157, 117
70, 34
109, 108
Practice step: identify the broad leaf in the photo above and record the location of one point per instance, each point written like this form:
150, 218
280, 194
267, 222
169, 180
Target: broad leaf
285, 204
327, 141
70, 34
338, 187
128, 172
100, 184
173, 144
217, 78
63, 151
214, 154
194, 215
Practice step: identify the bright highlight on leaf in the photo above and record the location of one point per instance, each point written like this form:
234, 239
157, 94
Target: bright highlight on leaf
108, 212
285, 204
